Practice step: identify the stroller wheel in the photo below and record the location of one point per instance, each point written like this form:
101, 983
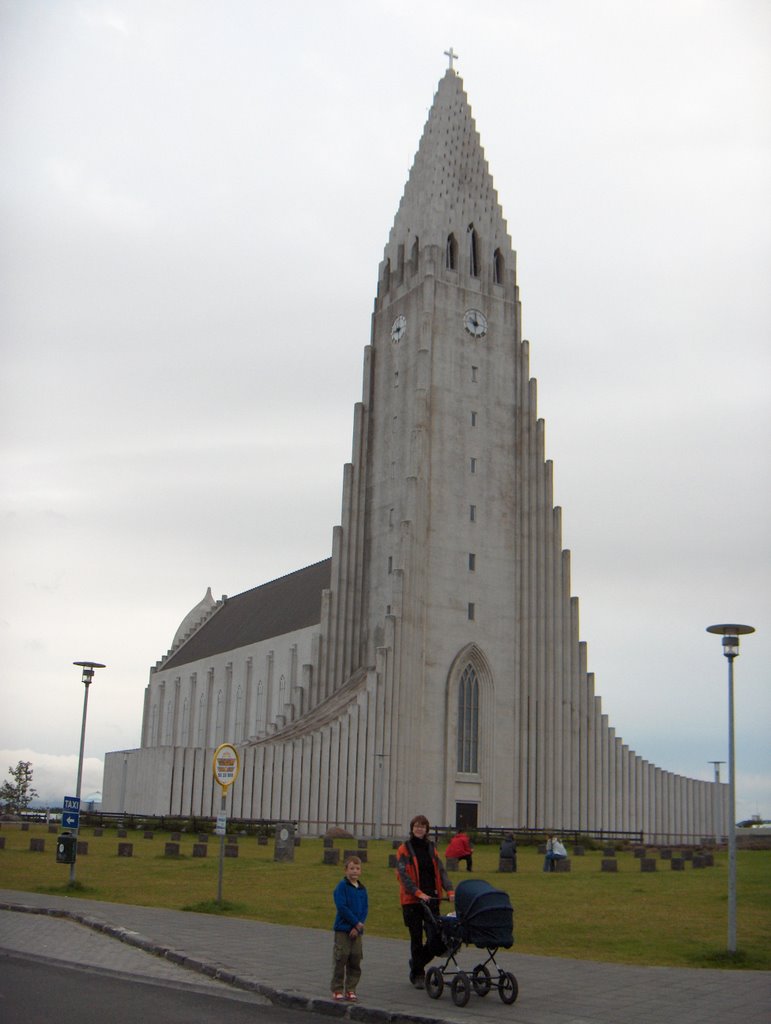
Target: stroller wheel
461, 988
508, 989
434, 982
481, 980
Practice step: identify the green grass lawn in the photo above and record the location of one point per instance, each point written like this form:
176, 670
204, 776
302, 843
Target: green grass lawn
672, 918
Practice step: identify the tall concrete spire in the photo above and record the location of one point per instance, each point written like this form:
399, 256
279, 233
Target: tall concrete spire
449, 187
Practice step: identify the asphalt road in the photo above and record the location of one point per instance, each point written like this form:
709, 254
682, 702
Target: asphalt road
34, 992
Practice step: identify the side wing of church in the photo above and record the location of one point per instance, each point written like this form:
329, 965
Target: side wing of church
433, 664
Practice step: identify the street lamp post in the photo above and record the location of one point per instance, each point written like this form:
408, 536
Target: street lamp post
731, 633
89, 668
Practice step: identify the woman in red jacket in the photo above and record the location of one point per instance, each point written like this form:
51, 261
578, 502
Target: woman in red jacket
460, 848
422, 879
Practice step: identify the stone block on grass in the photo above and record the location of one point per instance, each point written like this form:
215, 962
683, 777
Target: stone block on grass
361, 854
200, 849
37, 845
231, 850
677, 864
125, 849
331, 856
82, 848
505, 864
562, 865
647, 864
171, 850
609, 864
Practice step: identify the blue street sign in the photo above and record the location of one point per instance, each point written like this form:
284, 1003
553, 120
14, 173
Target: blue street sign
70, 819
71, 803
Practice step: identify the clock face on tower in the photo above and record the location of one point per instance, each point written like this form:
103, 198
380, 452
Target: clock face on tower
398, 328
475, 323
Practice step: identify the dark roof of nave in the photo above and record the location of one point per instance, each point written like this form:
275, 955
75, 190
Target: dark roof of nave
281, 606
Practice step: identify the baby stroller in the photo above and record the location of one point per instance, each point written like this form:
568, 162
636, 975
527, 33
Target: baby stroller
483, 918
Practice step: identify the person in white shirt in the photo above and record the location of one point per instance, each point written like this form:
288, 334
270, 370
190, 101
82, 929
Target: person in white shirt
554, 851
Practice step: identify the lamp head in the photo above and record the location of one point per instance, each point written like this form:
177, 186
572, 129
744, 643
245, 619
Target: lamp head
88, 670
730, 631
731, 646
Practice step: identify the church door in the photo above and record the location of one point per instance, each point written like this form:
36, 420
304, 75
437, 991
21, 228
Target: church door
466, 816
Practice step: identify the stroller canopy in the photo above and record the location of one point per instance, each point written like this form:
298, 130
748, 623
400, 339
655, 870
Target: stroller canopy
485, 914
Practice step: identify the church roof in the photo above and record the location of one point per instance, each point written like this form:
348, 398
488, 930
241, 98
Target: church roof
450, 186
281, 606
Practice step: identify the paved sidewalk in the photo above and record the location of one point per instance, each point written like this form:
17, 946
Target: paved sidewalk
291, 966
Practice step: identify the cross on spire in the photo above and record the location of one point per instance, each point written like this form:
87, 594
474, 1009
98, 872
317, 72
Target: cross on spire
452, 55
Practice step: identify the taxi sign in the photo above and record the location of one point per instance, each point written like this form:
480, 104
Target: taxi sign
226, 764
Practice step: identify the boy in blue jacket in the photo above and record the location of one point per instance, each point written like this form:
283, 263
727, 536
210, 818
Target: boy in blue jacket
352, 905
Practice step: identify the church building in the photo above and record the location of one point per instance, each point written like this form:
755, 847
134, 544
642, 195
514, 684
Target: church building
433, 663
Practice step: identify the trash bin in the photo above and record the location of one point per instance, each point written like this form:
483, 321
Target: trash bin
66, 848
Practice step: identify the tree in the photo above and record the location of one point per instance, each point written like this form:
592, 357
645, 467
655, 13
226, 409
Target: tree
17, 795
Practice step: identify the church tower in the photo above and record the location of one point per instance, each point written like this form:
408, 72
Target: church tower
459, 587
433, 664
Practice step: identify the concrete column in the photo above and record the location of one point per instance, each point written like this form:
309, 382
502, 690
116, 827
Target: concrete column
324, 787
550, 781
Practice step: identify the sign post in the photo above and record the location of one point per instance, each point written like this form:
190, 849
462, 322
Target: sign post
225, 766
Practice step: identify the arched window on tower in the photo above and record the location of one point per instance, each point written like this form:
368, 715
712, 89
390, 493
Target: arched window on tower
415, 256
498, 267
451, 253
473, 252
468, 721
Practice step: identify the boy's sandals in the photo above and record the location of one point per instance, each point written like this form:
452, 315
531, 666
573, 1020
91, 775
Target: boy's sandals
351, 997
338, 997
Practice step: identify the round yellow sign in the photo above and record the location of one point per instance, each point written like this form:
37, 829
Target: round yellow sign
226, 764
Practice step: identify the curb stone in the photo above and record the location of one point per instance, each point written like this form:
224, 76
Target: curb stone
278, 997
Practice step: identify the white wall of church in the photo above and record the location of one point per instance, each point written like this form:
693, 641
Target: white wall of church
229, 697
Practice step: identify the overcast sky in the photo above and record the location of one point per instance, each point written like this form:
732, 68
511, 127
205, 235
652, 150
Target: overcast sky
195, 197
